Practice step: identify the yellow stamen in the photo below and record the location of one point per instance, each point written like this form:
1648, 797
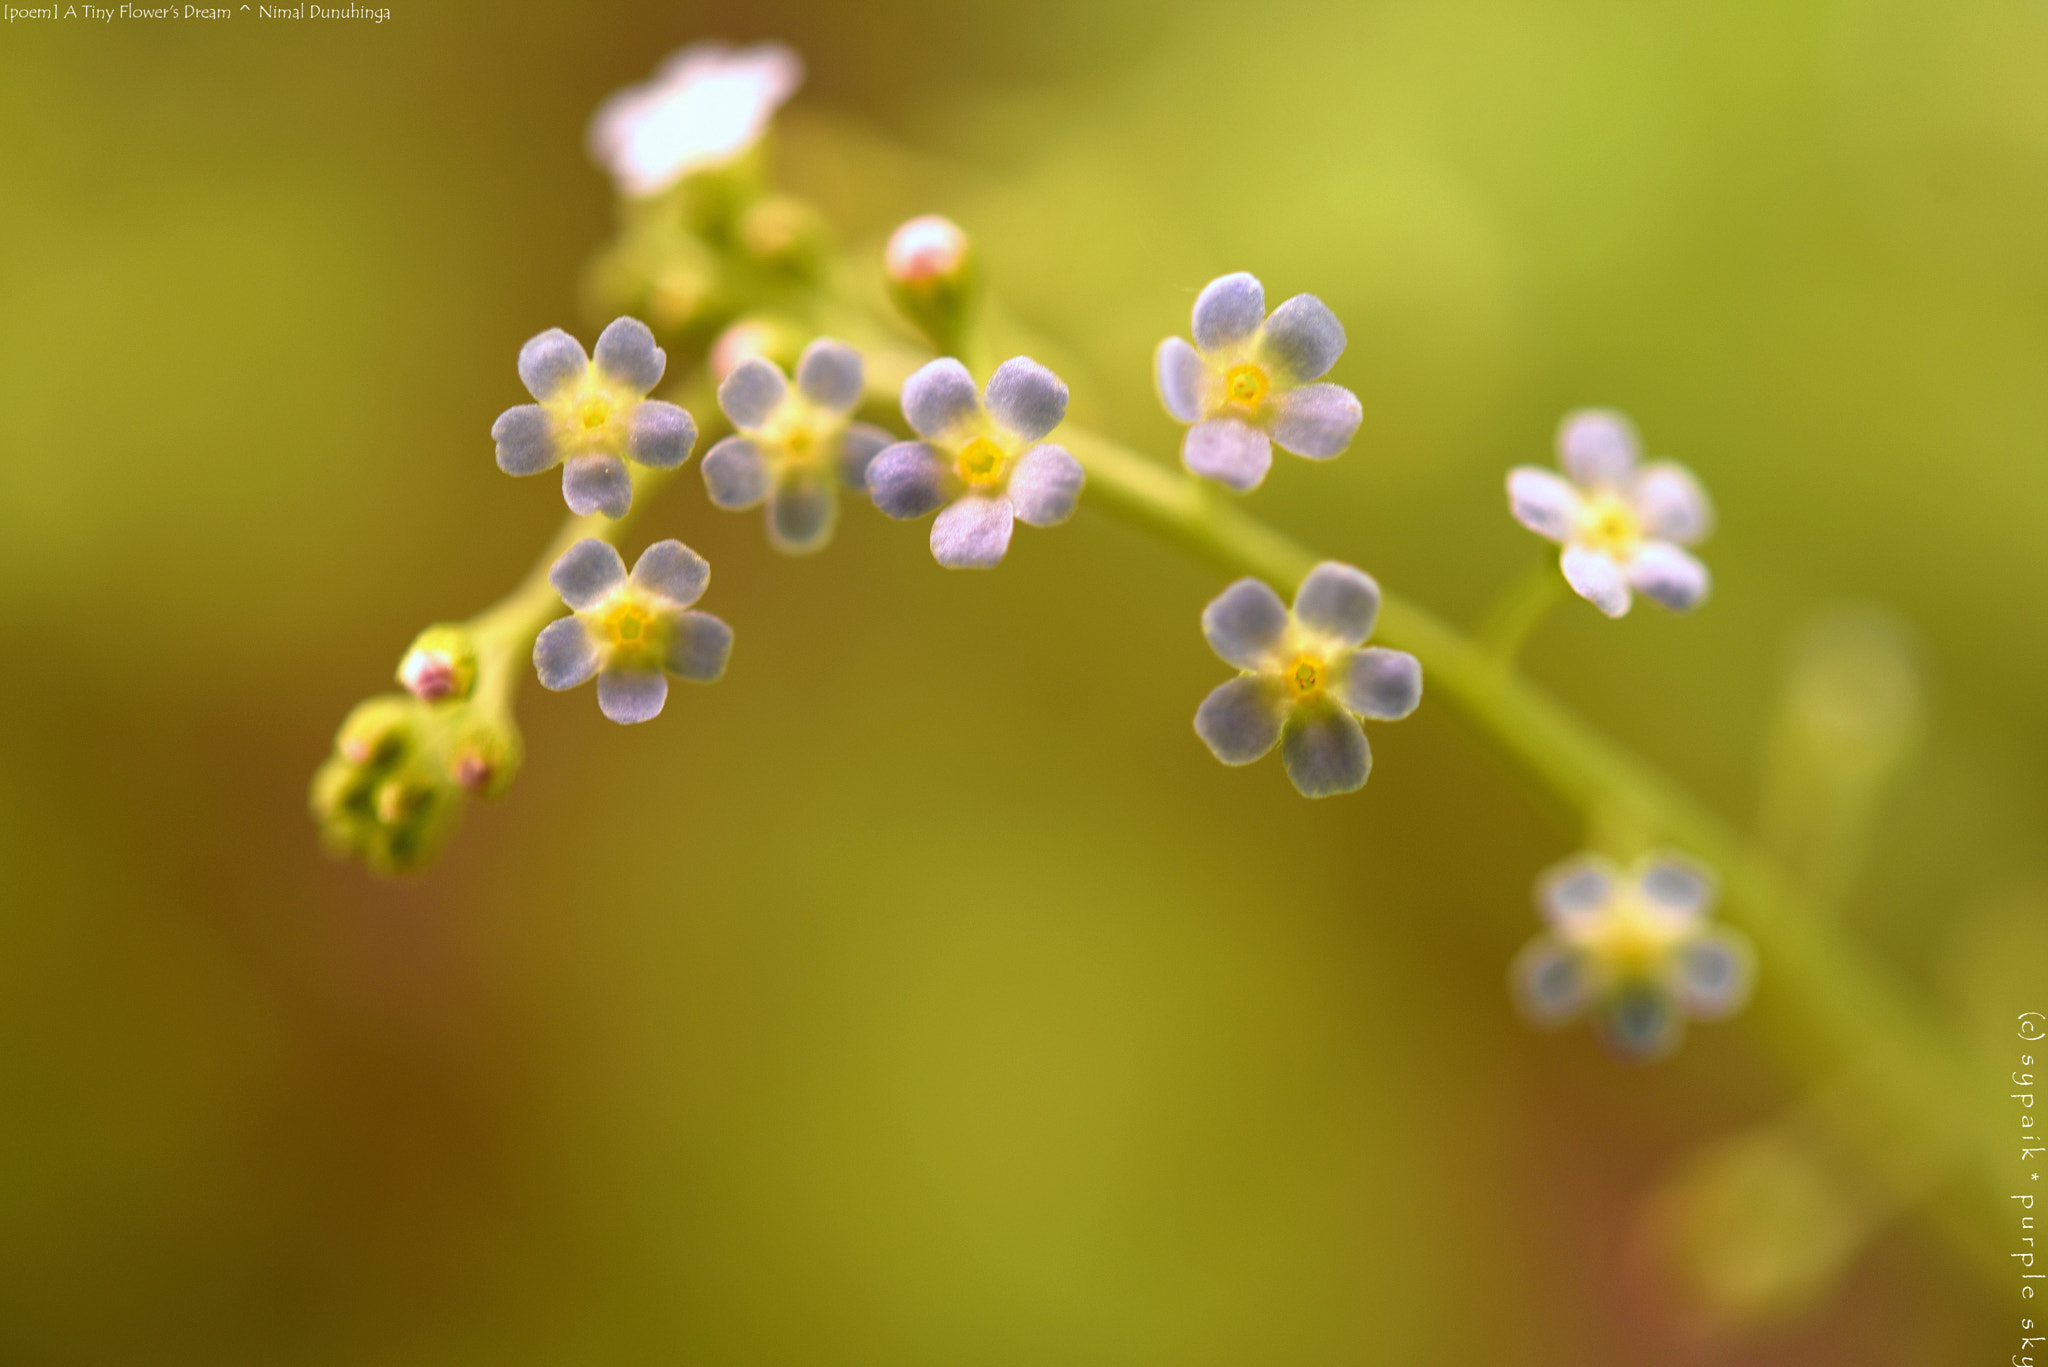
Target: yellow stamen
981, 461
1305, 677
594, 413
627, 625
1245, 385
1607, 523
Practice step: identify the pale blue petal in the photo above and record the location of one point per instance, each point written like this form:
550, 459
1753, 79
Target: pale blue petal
939, 398
1228, 311
1338, 603
1380, 684
1665, 574
735, 476
1318, 421
698, 647
1247, 625
1324, 749
1178, 370
1233, 453
588, 573
1671, 503
1597, 446
1240, 720
752, 393
564, 655
1026, 398
1046, 485
631, 695
907, 479
802, 506
1715, 971
829, 374
1581, 886
661, 435
1597, 578
1641, 1022
669, 569
627, 355
973, 534
862, 444
550, 361
526, 445
597, 484
1551, 981
1677, 884
1302, 340
1545, 503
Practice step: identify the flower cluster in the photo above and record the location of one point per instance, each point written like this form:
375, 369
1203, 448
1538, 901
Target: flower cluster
631, 631
1307, 678
794, 449
706, 105
1634, 948
1247, 383
983, 458
1622, 524
592, 415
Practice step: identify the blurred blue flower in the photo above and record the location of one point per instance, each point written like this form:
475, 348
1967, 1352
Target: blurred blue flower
986, 462
631, 631
1306, 680
594, 415
794, 448
1247, 383
1633, 947
1621, 523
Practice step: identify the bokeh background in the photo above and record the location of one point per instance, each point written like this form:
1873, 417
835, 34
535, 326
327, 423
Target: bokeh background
925, 993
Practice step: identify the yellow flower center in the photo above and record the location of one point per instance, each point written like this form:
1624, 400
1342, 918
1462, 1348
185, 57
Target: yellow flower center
1607, 523
981, 461
1631, 940
594, 412
629, 626
1305, 677
1245, 385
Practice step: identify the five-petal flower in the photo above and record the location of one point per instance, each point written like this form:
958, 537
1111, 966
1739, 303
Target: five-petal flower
794, 448
1621, 523
1248, 382
594, 415
1306, 680
1633, 946
707, 104
631, 631
987, 461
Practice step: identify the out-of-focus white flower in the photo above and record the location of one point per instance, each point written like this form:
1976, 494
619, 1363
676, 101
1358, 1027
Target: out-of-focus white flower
706, 104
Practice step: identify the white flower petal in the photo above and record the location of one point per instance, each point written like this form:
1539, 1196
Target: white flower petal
1580, 887
1229, 451
1671, 504
1229, 311
1337, 603
735, 476
1324, 749
627, 355
1545, 503
1317, 421
699, 645
672, 571
1247, 625
939, 399
564, 655
1026, 398
1240, 720
707, 104
1595, 577
1715, 972
1380, 684
551, 361
752, 393
1551, 981
830, 375
597, 483
588, 573
1181, 376
1046, 485
1301, 341
973, 534
1677, 885
1670, 576
1597, 446
631, 695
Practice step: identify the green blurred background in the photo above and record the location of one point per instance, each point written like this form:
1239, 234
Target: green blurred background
925, 993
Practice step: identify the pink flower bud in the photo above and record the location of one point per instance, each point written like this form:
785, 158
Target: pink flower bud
925, 249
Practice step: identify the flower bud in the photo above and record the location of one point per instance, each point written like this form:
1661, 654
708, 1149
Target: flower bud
930, 268
377, 730
440, 665
484, 756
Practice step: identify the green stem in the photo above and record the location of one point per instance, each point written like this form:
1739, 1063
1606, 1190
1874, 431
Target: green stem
1519, 612
1851, 1008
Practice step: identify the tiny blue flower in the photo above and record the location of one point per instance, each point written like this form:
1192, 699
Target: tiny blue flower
1621, 523
1247, 383
1634, 947
631, 631
593, 414
986, 460
1306, 680
794, 447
